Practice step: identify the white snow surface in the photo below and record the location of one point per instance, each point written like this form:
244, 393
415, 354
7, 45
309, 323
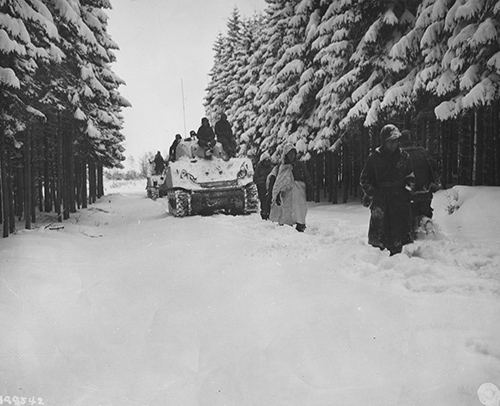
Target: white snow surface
128, 305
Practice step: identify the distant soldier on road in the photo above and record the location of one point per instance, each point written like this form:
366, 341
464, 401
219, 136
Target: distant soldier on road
159, 163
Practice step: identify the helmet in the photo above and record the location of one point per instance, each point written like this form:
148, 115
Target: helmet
389, 132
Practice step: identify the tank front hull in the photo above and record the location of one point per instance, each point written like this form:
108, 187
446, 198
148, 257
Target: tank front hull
213, 201
206, 202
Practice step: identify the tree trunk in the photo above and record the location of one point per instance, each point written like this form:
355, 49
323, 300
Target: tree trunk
78, 183
34, 189
486, 125
61, 201
496, 135
10, 189
1, 188
39, 188
84, 184
100, 180
317, 179
71, 172
55, 186
328, 175
346, 172
4, 186
28, 199
66, 177
92, 182
335, 178
19, 179
47, 193
474, 151
459, 150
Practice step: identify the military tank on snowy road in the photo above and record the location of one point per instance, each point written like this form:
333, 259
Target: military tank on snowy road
195, 185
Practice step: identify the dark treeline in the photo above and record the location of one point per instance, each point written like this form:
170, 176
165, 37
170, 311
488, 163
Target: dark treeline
328, 75
60, 108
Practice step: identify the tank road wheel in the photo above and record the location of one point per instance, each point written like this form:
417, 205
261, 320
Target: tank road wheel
179, 203
251, 199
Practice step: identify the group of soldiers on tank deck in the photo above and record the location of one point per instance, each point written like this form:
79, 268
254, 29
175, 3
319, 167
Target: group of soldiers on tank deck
206, 143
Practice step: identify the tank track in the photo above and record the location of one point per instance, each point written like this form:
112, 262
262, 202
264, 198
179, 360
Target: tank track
251, 199
239, 201
179, 203
153, 193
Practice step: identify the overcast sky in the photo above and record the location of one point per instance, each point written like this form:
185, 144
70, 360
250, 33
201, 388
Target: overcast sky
162, 42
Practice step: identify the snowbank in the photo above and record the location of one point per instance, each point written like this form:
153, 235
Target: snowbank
129, 306
124, 186
470, 213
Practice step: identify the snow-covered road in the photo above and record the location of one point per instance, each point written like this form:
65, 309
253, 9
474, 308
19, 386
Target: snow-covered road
129, 306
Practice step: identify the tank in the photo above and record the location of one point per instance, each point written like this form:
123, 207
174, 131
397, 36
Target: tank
195, 185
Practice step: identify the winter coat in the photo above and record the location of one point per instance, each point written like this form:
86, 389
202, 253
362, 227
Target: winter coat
426, 177
300, 173
288, 194
426, 182
262, 170
226, 137
385, 179
206, 136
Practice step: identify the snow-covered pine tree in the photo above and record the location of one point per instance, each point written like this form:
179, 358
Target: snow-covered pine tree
374, 70
365, 62
469, 75
235, 59
270, 122
43, 47
105, 109
336, 38
214, 88
224, 88
28, 39
297, 82
243, 112
90, 95
411, 61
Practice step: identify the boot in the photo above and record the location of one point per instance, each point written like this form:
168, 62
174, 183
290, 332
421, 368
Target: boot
300, 227
394, 251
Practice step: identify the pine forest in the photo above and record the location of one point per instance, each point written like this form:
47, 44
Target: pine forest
327, 75
60, 108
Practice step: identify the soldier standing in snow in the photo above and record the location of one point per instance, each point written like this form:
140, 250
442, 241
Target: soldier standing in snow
290, 181
225, 136
387, 179
262, 171
173, 148
426, 179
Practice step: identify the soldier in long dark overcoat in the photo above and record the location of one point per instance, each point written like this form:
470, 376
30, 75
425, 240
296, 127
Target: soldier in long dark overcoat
387, 180
262, 171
